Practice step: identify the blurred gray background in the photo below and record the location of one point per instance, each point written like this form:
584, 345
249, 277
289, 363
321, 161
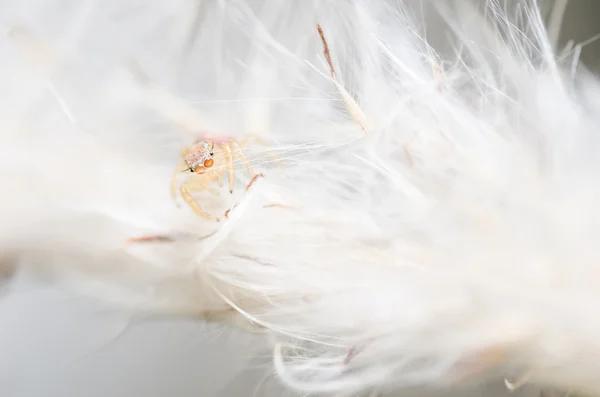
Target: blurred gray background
583, 24
53, 344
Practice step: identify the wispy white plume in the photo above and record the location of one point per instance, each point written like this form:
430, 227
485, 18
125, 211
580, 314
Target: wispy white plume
429, 208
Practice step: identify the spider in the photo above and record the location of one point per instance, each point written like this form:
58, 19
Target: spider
199, 159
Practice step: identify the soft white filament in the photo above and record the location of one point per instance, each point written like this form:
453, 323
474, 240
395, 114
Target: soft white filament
429, 212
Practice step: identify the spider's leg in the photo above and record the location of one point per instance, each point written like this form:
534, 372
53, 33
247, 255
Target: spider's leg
211, 189
219, 175
194, 204
175, 181
244, 158
200, 183
230, 168
253, 180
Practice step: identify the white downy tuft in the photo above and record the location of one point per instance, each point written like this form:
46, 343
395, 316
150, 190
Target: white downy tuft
429, 207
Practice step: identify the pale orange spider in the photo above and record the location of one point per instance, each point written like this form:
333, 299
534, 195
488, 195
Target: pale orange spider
199, 159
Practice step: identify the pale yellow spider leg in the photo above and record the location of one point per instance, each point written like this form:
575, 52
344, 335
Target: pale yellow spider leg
219, 175
212, 190
199, 182
181, 166
174, 184
244, 158
194, 205
175, 180
230, 168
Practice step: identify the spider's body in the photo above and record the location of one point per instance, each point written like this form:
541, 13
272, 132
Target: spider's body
207, 160
200, 157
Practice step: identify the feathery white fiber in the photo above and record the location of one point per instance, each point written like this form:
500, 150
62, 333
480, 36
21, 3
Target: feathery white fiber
429, 207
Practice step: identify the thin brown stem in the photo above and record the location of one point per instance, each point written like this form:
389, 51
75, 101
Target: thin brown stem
352, 107
149, 239
326, 51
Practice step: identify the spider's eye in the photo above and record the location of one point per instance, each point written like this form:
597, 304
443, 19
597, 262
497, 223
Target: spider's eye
211, 153
209, 163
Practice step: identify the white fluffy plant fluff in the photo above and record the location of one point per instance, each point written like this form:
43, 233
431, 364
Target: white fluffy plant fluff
428, 216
